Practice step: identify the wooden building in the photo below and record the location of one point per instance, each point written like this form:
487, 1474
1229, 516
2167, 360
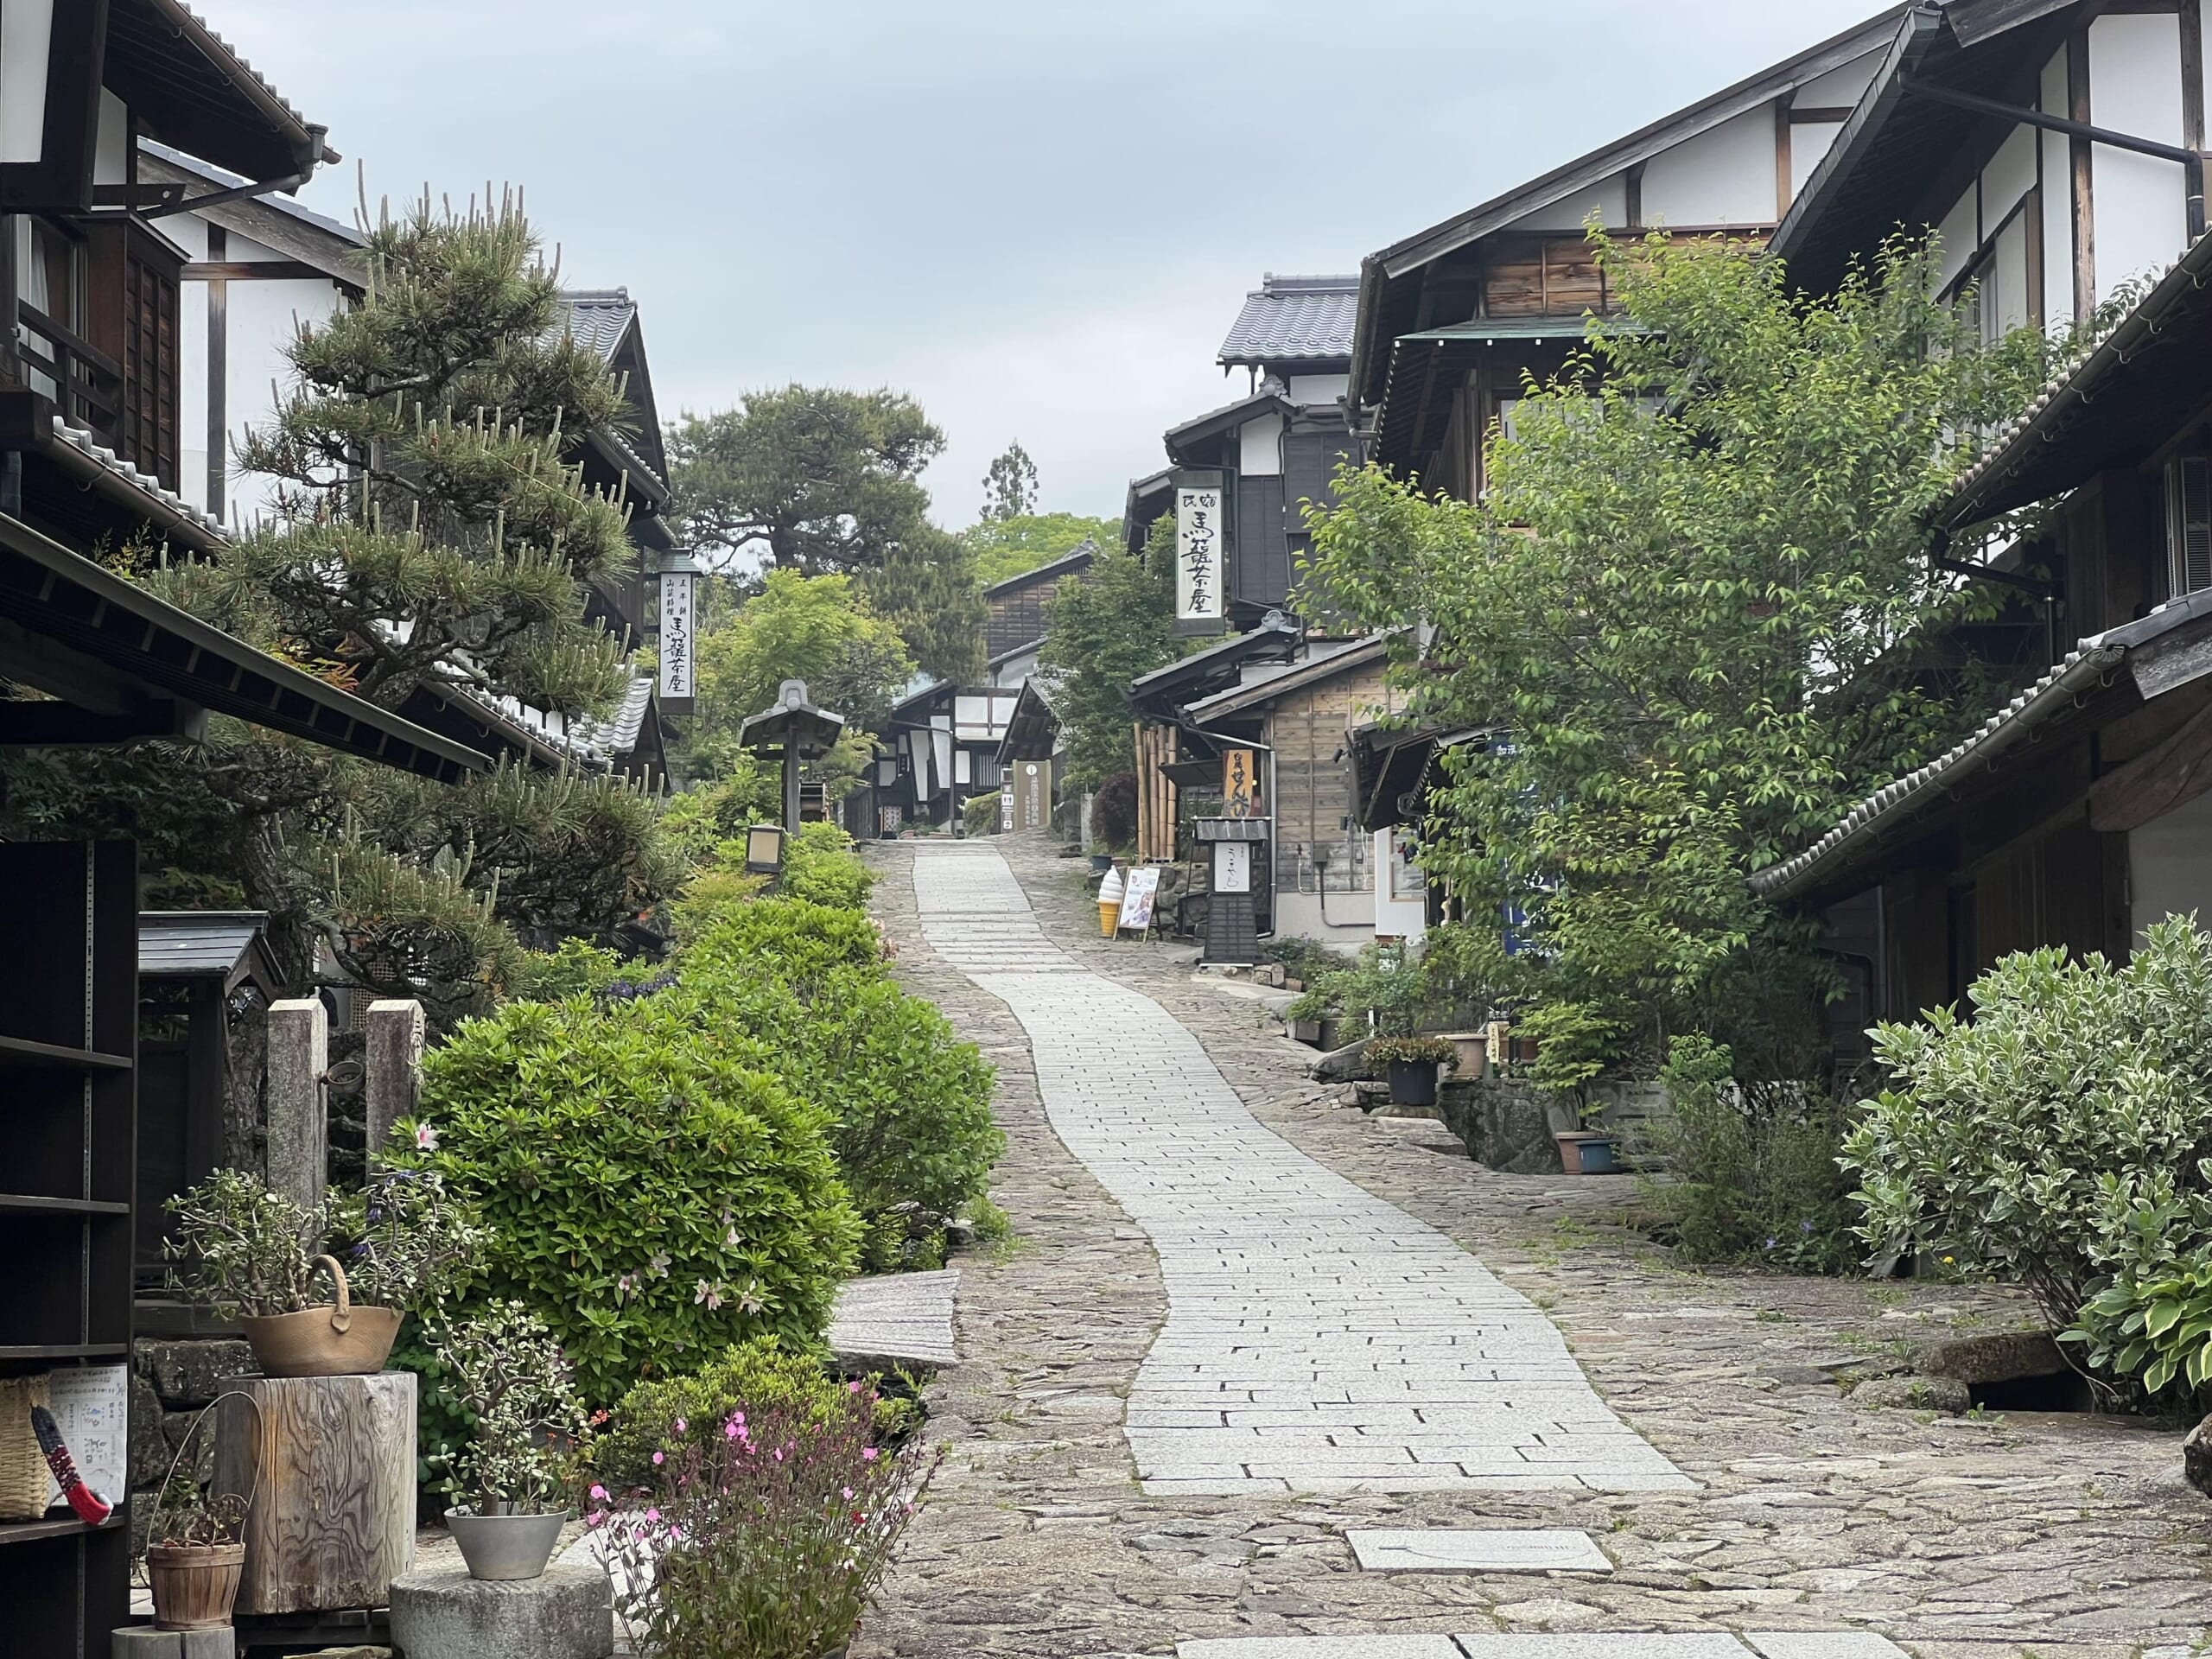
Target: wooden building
940, 747
1013, 633
2082, 811
1452, 321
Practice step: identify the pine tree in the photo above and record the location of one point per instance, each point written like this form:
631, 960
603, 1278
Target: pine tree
926, 588
1010, 486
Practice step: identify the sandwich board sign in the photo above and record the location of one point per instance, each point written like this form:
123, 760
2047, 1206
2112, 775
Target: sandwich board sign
1139, 891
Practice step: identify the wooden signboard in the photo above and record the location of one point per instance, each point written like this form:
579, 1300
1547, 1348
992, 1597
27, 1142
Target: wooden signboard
1139, 891
1240, 787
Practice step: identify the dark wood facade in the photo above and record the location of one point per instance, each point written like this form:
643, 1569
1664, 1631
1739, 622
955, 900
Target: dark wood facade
1017, 605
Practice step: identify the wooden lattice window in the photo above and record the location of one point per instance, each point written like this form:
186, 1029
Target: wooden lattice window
150, 368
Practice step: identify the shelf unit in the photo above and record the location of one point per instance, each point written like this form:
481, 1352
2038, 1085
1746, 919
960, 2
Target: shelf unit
68, 1047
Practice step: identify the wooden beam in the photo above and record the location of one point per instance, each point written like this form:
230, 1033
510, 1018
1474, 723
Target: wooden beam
1782, 168
60, 725
2192, 75
2173, 774
218, 364
2083, 170
215, 268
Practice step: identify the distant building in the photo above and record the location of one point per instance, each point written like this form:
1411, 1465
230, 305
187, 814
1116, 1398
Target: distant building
1015, 633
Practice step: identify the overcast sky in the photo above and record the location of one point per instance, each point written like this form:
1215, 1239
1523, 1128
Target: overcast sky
1037, 216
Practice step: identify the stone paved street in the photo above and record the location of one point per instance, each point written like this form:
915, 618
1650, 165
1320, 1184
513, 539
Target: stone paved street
1318, 1338
1805, 1517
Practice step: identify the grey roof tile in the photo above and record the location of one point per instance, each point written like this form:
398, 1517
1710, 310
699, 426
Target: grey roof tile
1294, 319
599, 317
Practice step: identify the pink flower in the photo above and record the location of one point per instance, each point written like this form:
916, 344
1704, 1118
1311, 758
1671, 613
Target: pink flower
679, 1426
732, 1429
599, 1494
595, 1518
711, 1295
732, 1240
869, 1453
849, 1494
651, 1515
426, 1137
852, 1388
659, 1457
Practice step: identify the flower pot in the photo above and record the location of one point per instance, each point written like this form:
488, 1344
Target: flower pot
195, 1586
1588, 1153
1306, 1031
1101, 862
1413, 1082
334, 1340
505, 1546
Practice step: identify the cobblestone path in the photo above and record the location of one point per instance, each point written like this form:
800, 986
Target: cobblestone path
1813, 1527
1319, 1340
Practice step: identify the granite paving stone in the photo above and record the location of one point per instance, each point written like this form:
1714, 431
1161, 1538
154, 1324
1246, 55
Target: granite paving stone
1457, 1549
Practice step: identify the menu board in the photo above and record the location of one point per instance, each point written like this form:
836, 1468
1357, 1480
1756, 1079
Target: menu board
1140, 889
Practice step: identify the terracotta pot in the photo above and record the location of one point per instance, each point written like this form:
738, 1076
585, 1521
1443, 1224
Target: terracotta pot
334, 1340
194, 1585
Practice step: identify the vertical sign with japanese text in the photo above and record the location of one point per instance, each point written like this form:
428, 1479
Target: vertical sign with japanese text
1201, 556
676, 653
1240, 790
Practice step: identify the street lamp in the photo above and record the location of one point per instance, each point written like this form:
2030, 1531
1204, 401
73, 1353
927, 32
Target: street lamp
764, 849
52, 58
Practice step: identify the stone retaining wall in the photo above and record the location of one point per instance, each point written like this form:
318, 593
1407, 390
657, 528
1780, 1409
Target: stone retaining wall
1507, 1124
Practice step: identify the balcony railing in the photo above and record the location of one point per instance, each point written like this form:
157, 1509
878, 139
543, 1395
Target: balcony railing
83, 380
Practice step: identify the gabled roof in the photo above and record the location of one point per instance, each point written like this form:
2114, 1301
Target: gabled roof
217, 944
1875, 177
606, 320
1400, 259
599, 317
328, 245
184, 85
1161, 690
1324, 659
1227, 418
1294, 320
1076, 558
1146, 499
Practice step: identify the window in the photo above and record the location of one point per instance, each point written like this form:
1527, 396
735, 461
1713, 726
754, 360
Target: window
2188, 524
50, 269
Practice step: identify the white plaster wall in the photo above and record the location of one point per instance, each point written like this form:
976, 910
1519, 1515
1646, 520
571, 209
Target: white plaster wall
1961, 231
1809, 143
112, 150
1259, 450
1311, 389
1725, 176
2057, 204
2009, 176
1350, 923
26, 35
2170, 866
1608, 198
1840, 88
1015, 671
2008, 278
2135, 87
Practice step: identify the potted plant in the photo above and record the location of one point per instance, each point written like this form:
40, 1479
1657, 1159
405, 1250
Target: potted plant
254, 1256
512, 1379
1413, 1062
195, 1547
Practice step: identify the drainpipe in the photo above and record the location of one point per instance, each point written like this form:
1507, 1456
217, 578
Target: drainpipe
2191, 162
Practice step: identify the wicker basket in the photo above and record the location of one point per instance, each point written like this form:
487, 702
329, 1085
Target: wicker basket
25, 1477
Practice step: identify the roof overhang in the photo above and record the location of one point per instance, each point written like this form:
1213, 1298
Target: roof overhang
1243, 699
115, 652
186, 87
1163, 692
85, 491
1147, 498
1033, 732
1075, 559
1221, 421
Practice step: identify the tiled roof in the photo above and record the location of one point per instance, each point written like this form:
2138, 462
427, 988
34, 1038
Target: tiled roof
195, 943
599, 317
1294, 319
85, 444
250, 72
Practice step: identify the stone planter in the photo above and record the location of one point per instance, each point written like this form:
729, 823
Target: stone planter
501, 1549
1307, 1032
1413, 1082
1589, 1153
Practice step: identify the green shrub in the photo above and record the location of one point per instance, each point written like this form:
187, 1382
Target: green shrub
981, 815
1386, 988
1753, 1168
793, 940
655, 1195
2154, 1330
574, 970
761, 1374
2060, 1140
820, 867
1413, 1050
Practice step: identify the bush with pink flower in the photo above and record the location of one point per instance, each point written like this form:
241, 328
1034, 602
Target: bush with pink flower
762, 1538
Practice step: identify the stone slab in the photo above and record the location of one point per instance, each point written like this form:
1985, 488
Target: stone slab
1451, 1549
896, 1318
1822, 1645
567, 1614
1322, 1647
150, 1643
1591, 1645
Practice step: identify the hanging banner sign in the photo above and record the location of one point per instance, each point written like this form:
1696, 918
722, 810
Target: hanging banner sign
675, 657
1240, 789
1201, 557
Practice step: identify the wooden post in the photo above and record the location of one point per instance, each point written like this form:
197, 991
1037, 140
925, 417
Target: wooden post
299, 1136
330, 1463
791, 788
392, 1087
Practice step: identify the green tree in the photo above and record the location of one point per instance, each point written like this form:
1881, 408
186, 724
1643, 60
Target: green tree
1692, 596
1010, 486
1103, 630
1007, 547
428, 530
926, 586
819, 629
824, 479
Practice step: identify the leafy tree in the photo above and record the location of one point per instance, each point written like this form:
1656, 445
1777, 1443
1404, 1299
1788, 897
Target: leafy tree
819, 629
428, 530
1101, 629
827, 480
1007, 547
1010, 486
927, 587
1692, 597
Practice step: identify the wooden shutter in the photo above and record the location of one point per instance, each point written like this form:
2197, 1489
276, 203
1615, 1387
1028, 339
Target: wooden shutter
132, 316
2188, 523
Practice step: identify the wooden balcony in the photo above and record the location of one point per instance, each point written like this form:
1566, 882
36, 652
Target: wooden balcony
84, 382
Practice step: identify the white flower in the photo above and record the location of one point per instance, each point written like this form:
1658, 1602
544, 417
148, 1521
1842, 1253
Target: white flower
658, 1266
711, 1295
426, 1137
749, 1301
